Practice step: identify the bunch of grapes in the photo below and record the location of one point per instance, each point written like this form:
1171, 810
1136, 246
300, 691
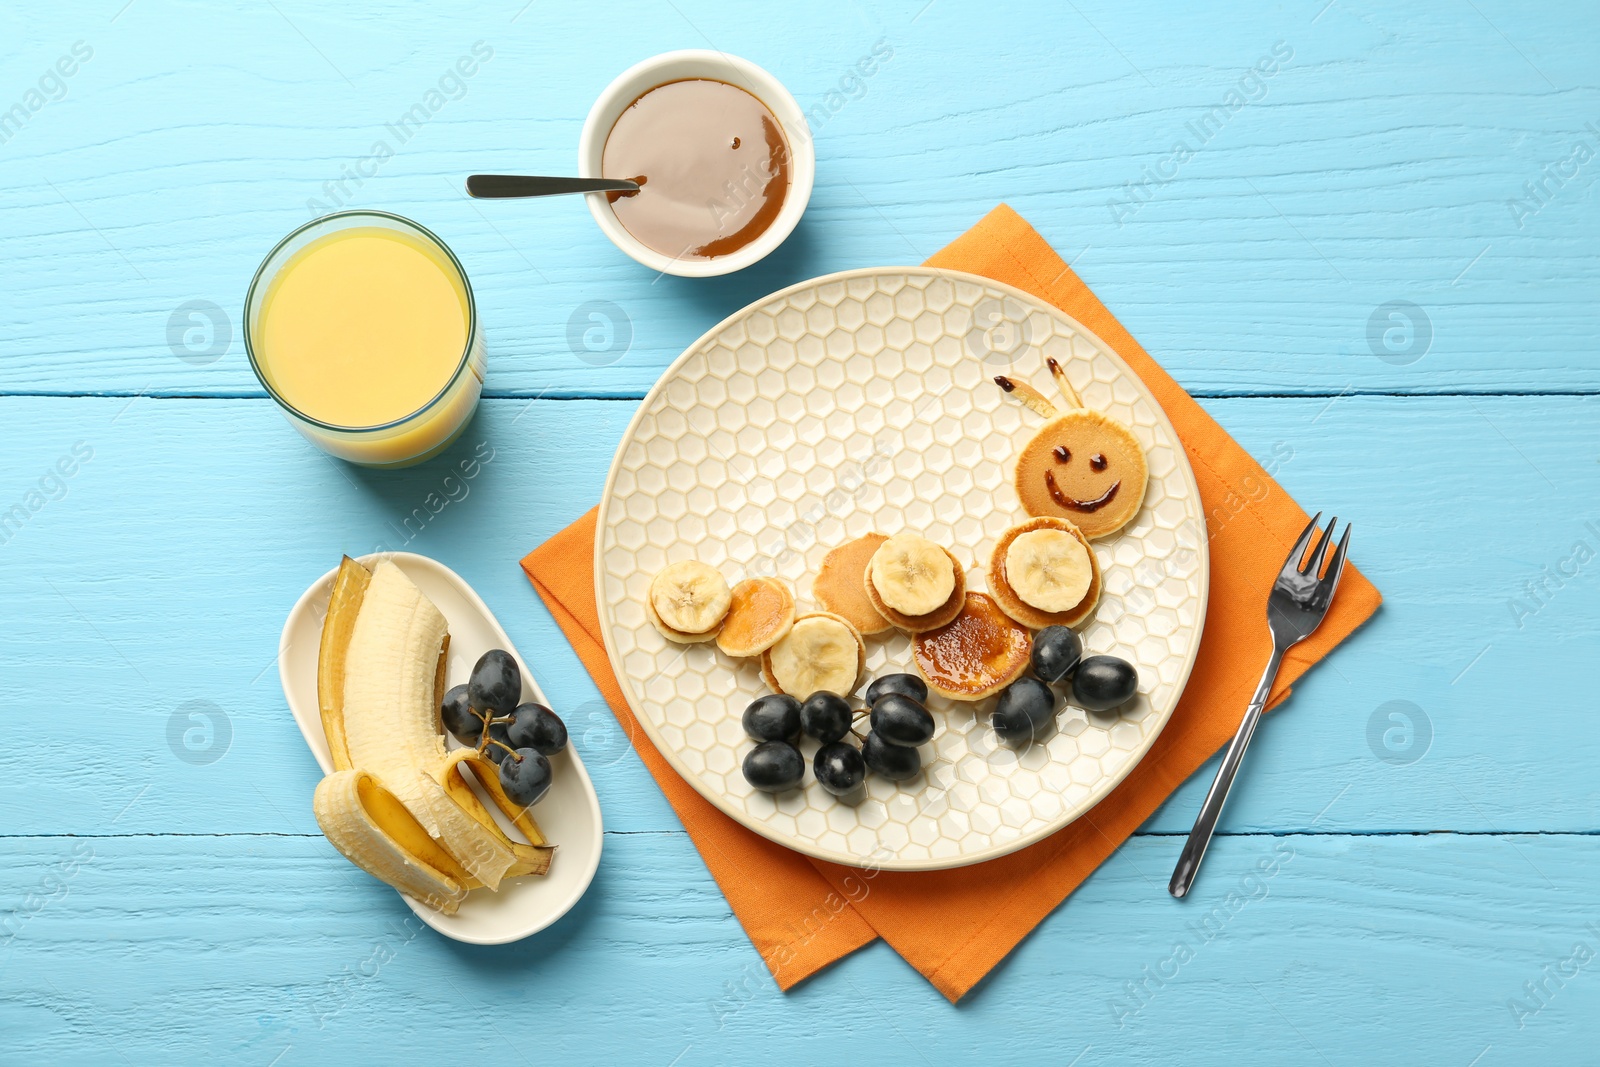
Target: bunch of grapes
898, 723
520, 737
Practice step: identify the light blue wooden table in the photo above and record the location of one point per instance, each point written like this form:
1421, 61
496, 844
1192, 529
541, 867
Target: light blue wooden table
1430, 792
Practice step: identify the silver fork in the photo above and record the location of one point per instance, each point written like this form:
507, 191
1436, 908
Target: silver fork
1299, 600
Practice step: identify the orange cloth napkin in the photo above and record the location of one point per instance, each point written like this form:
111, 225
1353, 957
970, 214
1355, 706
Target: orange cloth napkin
955, 925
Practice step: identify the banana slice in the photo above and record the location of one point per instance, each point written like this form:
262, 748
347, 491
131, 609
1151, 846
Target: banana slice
391, 674
932, 620
912, 575
377, 833
760, 613
1049, 569
1021, 592
688, 601
675, 636
820, 653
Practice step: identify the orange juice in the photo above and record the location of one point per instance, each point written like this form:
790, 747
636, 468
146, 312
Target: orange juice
362, 326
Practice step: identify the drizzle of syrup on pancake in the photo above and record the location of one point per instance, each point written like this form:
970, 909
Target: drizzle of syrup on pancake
1074, 504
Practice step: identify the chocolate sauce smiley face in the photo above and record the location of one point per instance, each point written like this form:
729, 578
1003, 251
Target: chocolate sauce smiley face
1084, 467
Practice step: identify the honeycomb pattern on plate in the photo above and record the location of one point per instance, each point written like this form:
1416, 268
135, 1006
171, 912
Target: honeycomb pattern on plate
863, 401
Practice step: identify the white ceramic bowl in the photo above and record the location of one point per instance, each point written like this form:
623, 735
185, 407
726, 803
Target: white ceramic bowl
678, 66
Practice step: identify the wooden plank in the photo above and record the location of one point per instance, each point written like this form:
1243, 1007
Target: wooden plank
163, 575
1384, 161
1331, 949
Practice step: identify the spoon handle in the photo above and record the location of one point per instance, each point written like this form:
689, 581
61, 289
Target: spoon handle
504, 186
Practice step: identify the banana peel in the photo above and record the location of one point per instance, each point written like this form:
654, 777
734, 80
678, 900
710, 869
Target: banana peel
454, 781
480, 847
377, 833
349, 586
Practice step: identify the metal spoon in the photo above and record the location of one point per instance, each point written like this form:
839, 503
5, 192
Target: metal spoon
506, 186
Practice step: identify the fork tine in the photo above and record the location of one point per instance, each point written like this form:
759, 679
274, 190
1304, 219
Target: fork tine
1313, 565
1292, 564
1329, 584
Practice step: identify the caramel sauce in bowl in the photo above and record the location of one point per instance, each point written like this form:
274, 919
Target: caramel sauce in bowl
732, 157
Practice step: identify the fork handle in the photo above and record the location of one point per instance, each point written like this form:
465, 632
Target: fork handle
1194, 849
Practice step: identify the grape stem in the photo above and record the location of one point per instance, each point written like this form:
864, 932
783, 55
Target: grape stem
484, 740
498, 744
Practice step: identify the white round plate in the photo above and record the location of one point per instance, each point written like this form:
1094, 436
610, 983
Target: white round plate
569, 814
862, 401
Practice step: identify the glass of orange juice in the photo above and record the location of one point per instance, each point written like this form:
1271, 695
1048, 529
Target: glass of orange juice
362, 326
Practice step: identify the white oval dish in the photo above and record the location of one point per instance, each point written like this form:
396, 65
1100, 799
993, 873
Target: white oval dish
569, 814
679, 66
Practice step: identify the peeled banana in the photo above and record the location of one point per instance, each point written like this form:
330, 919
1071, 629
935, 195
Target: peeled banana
397, 804
391, 712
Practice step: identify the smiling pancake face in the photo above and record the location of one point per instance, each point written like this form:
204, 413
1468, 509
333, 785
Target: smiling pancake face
1084, 467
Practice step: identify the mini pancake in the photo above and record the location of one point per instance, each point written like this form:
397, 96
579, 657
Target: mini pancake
978, 654
676, 636
1013, 605
772, 680
916, 624
838, 586
761, 613
1085, 467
